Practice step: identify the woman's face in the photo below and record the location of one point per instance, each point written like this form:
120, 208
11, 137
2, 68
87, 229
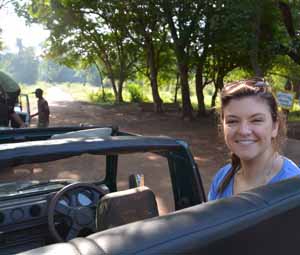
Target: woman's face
248, 127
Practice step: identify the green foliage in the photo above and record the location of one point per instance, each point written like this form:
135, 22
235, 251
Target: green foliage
84, 33
101, 96
209, 90
294, 114
284, 68
121, 37
135, 92
237, 74
23, 66
78, 91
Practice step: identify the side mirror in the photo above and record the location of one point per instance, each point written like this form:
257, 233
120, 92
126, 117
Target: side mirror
136, 180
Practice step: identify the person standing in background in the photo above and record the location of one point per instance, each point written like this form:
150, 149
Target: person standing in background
43, 110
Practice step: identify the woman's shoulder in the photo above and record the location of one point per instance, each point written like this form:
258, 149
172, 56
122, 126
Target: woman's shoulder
222, 172
289, 169
290, 165
213, 193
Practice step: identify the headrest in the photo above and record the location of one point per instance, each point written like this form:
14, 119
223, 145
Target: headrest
122, 207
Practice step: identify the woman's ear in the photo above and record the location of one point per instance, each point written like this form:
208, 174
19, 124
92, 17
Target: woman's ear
275, 129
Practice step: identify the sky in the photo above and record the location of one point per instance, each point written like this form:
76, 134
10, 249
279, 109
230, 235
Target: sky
14, 27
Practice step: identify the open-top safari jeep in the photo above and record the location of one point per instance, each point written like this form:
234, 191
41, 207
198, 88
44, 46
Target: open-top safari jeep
89, 214
66, 182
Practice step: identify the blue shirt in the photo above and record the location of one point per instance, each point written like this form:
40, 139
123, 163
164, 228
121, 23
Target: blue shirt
289, 169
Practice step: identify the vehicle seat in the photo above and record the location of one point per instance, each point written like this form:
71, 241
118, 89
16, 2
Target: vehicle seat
122, 207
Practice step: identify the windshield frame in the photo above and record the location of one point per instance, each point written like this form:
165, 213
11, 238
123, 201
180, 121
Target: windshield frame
186, 180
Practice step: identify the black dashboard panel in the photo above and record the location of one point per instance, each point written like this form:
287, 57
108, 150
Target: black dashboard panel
22, 211
24, 218
23, 224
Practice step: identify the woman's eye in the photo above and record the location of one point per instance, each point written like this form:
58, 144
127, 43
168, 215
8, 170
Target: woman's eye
231, 121
257, 120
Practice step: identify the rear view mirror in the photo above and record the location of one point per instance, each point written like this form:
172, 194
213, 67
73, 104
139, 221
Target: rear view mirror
136, 180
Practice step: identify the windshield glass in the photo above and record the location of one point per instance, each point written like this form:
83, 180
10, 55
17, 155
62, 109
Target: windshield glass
78, 168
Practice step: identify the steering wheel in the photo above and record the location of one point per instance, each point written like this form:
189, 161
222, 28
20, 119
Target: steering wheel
82, 217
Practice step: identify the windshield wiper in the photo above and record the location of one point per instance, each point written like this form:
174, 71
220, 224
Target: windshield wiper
44, 183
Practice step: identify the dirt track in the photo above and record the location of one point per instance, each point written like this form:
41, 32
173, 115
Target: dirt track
202, 136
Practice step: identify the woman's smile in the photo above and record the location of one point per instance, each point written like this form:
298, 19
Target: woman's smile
245, 142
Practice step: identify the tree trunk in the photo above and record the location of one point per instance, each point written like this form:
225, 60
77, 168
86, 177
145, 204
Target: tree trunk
254, 51
122, 78
103, 93
254, 63
287, 17
156, 98
199, 90
176, 88
101, 83
112, 79
181, 44
113, 83
218, 86
120, 91
153, 78
214, 96
187, 110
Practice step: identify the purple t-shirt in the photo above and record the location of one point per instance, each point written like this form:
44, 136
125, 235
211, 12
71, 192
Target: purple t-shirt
289, 169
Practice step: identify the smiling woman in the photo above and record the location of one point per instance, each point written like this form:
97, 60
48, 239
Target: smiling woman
254, 131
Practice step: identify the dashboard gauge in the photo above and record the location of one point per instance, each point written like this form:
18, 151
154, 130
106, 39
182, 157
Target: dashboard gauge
64, 201
17, 214
85, 198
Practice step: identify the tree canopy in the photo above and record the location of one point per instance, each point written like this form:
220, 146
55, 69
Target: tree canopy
186, 40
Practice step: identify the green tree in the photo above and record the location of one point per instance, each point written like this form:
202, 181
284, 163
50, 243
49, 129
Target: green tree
89, 32
201, 48
242, 36
183, 19
289, 42
147, 31
23, 66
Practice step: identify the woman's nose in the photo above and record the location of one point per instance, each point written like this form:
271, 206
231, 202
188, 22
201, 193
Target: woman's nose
244, 128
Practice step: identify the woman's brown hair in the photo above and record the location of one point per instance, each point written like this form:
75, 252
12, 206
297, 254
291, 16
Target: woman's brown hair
256, 87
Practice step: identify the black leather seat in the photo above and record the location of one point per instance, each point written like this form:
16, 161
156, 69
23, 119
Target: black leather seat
263, 221
122, 207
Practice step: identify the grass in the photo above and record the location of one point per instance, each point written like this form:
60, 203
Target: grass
78, 91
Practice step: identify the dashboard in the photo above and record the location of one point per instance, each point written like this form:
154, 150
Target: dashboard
24, 220
17, 210
23, 223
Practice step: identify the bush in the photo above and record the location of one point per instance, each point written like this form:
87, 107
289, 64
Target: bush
100, 97
135, 92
